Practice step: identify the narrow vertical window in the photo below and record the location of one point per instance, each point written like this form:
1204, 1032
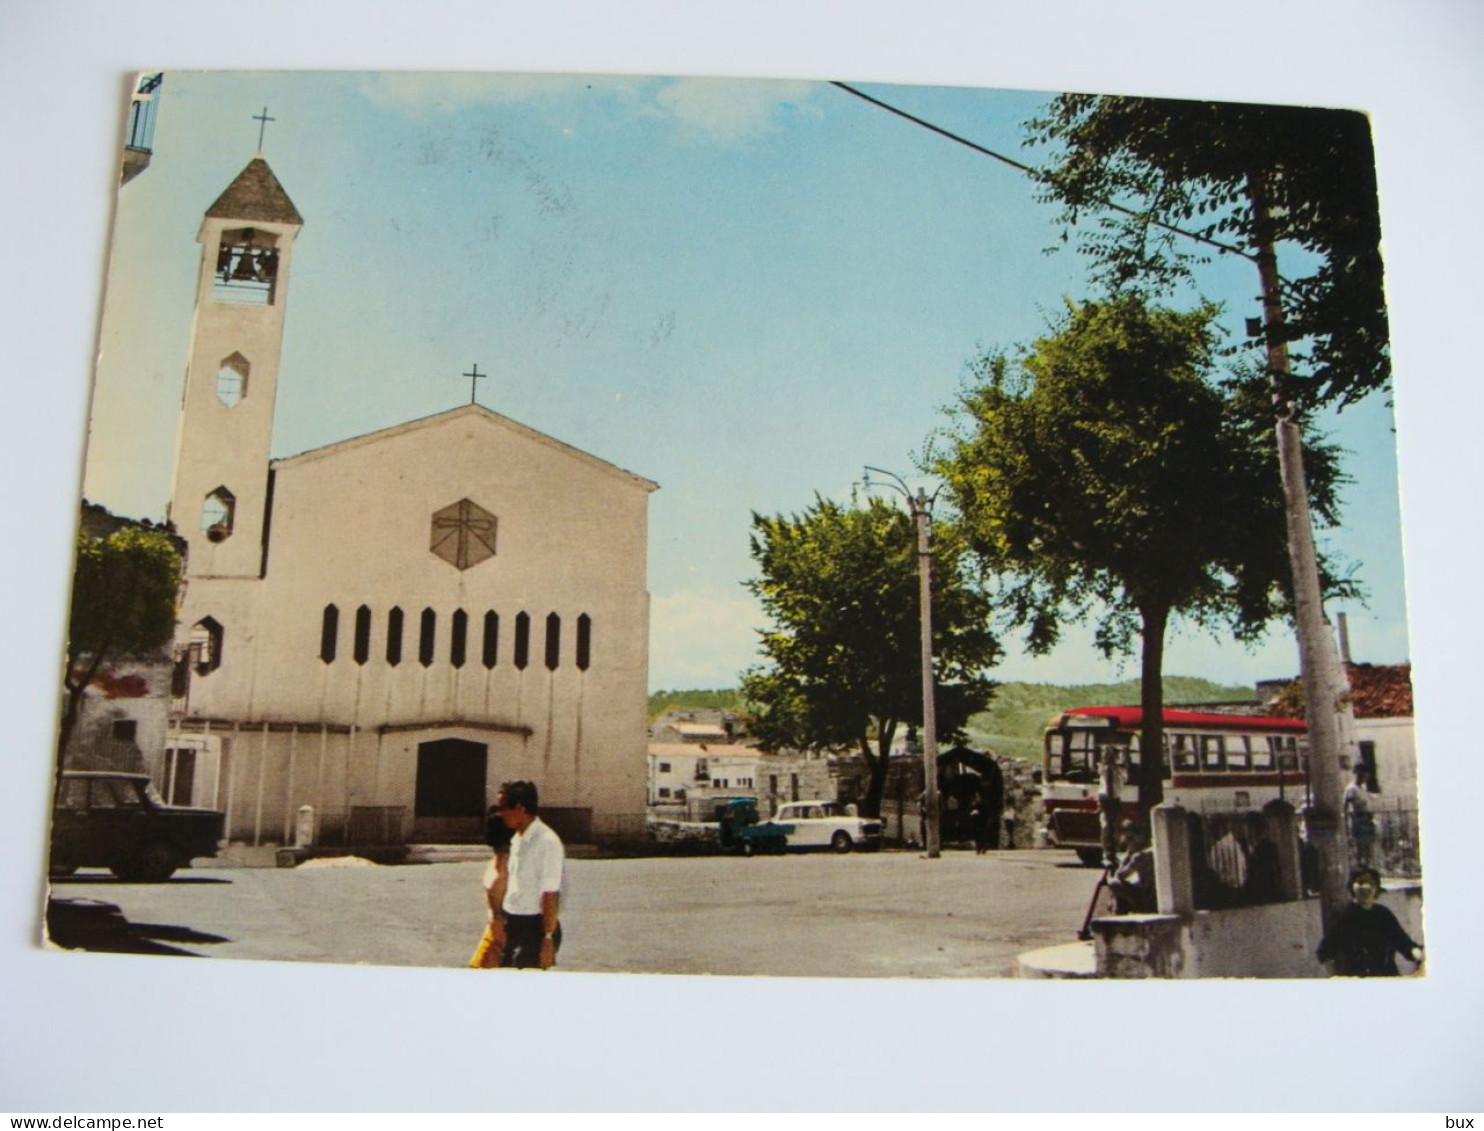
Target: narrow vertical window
328, 632
491, 637
522, 640
584, 641
218, 511
363, 635
394, 637
458, 634
231, 380
426, 638
553, 641
205, 646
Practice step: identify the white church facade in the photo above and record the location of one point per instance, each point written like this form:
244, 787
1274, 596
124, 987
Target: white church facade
386, 628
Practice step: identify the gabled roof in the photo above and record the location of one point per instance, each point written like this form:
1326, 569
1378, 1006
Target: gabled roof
255, 195
475, 410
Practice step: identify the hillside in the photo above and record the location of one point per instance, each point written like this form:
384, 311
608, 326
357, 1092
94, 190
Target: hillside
1020, 711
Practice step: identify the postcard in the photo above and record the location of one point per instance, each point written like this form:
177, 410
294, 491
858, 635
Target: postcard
714, 526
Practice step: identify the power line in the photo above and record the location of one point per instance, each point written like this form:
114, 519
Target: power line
1036, 174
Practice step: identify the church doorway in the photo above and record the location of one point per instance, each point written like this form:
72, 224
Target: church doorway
449, 802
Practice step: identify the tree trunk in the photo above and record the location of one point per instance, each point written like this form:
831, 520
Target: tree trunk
1152, 706
75, 689
879, 765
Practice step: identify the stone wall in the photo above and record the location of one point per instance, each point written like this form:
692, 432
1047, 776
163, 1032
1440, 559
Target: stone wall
1274, 940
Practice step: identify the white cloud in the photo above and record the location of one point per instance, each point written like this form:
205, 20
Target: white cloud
728, 110
702, 639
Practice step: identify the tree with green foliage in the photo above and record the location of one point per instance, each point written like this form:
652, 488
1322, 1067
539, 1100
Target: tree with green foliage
1101, 473
840, 585
1195, 166
1251, 180
124, 590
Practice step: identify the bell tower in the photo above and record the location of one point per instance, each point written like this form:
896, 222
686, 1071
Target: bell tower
220, 496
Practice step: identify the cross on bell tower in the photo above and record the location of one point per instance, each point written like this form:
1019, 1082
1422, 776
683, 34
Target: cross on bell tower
262, 120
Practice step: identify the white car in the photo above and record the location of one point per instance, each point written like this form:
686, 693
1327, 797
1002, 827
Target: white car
828, 824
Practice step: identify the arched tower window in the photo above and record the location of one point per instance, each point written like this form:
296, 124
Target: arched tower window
329, 631
522, 640
231, 380
553, 641
246, 267
584, 641
205, 645
218, 513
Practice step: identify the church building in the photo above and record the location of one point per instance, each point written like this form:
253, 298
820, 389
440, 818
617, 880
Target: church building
386, 628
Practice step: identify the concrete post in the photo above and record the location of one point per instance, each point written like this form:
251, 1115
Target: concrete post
304, 827
1174, 881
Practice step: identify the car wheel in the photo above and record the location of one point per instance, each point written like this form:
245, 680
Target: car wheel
1093, 857
840, 842
749, 848
156, 862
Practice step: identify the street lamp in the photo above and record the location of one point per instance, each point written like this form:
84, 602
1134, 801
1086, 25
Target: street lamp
920, 505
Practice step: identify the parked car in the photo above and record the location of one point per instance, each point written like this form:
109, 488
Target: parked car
739, 829
120, 822
828, 824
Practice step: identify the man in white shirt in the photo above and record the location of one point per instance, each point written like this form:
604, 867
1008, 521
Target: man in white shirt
533, 930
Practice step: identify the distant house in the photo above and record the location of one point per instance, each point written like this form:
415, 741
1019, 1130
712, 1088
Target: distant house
697, 725
1381, 697
122, 720
687, 779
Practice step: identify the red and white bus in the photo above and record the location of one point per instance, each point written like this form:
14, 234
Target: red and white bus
1213, 762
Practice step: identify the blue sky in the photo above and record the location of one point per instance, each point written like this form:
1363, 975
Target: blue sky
744, 290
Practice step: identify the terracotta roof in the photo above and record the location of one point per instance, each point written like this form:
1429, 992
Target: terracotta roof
255, 195
1377, 691
1381, 691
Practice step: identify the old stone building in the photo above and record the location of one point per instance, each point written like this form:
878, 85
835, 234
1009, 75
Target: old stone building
385, 628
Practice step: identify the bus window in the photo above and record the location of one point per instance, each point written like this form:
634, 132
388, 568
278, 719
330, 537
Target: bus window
1078, 762
1212, 757
1262, 755
1184, 751
1285, 750
1238, 752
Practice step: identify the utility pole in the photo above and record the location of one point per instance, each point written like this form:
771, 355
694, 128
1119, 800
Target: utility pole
1326, 689
920, 506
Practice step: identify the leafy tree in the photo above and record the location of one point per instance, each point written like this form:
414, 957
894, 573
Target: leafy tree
1194, 165
841, 587
123, 601
1101, 473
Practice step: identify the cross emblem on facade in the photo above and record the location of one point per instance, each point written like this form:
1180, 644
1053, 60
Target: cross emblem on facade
263, 121
463, 534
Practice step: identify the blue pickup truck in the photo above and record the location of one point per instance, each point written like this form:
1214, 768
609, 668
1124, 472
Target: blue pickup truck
742, 831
